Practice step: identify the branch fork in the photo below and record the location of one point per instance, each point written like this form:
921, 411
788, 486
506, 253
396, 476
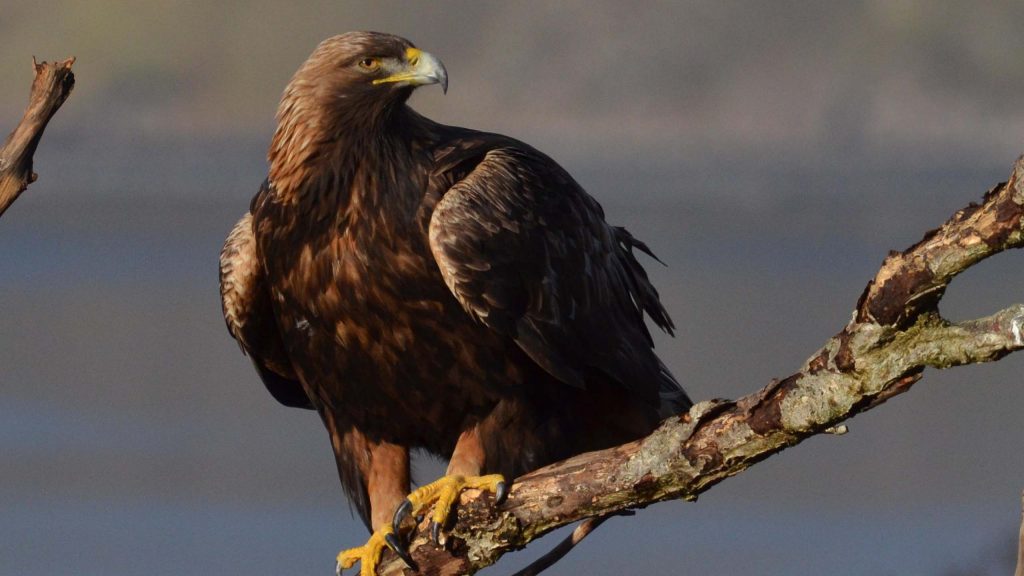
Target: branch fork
895, 332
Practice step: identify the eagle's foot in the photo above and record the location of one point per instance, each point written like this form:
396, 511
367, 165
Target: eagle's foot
443, 493
368, 555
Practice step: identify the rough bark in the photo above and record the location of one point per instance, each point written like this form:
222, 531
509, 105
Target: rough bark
51, 87
895, 332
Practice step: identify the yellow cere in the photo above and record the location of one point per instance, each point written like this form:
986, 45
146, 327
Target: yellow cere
412, 57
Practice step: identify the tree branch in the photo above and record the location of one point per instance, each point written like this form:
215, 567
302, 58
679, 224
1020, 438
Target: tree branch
51, 87
895, 332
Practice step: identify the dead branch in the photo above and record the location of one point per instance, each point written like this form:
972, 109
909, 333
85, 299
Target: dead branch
51, 87
895, 332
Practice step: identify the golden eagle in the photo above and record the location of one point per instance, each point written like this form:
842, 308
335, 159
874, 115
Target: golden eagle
427, 286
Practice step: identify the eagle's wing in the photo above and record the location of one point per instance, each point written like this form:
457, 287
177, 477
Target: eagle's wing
245, 300
527, 252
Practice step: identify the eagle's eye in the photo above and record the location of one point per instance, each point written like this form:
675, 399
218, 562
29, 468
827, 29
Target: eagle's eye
369, 64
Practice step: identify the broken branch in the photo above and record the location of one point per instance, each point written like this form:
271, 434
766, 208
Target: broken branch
51, 87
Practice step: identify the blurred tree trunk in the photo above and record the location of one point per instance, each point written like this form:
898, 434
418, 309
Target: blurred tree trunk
1020, 544
51, 87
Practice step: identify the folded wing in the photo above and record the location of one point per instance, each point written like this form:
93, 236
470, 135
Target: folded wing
527, 252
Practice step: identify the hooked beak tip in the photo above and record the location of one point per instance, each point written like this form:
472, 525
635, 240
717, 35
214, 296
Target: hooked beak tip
434, 69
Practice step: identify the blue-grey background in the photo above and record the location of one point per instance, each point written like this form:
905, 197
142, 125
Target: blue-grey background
770, 152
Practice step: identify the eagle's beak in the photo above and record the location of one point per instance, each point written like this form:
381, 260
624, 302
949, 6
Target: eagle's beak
419, 69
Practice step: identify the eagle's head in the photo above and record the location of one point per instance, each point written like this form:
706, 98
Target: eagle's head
347, 87
370, 64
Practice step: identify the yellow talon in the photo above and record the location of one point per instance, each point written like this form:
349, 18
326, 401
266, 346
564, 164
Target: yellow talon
368, 555
443, 493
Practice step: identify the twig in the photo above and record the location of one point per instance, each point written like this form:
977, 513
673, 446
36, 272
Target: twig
50, 88
564, 547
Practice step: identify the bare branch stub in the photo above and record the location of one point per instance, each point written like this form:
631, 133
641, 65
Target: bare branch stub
51, 87
895, 333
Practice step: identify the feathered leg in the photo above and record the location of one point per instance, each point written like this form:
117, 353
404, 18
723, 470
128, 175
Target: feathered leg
376, 477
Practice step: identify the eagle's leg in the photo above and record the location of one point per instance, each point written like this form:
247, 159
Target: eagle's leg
463, 473
385, 470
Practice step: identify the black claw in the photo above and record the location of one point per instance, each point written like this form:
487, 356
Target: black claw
500, 493
435, 532
398, 548
419, 519
400, 514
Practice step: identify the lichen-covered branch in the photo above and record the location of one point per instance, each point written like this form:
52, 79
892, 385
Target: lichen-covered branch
51, 87
895, 332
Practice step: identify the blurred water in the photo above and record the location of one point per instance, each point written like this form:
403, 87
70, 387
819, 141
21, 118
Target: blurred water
135, 438
101, 537
770, 153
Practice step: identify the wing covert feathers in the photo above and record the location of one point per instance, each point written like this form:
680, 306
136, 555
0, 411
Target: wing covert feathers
527, 252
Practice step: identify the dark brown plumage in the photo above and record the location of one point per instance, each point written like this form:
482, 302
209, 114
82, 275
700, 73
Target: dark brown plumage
426, 286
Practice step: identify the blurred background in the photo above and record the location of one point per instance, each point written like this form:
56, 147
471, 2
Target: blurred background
770, 153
